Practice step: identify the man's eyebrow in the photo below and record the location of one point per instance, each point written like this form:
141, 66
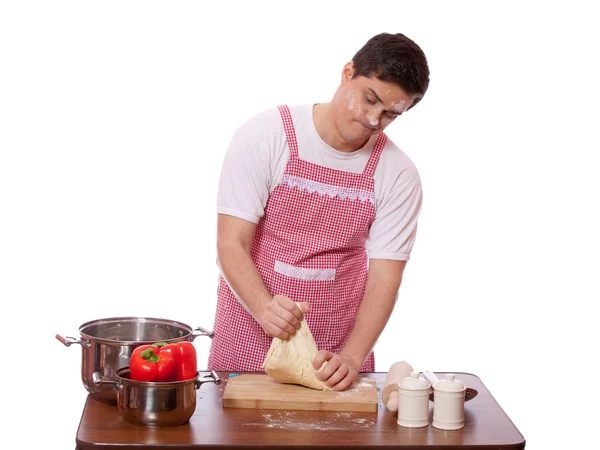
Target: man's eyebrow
375, 94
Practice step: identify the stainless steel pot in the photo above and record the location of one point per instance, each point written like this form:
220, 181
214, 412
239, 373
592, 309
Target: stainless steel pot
107, 345
155, 404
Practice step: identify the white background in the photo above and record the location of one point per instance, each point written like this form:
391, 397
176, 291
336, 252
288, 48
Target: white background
114, 119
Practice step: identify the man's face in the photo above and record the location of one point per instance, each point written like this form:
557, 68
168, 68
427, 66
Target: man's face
366, 106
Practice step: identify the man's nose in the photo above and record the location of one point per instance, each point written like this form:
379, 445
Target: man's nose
376, 112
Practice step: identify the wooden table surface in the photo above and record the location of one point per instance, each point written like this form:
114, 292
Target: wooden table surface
212, 426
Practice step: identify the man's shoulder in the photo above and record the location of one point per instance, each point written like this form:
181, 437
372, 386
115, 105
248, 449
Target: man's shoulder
398, 164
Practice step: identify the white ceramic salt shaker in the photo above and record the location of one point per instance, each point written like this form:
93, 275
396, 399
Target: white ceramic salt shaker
449, 404
413, 401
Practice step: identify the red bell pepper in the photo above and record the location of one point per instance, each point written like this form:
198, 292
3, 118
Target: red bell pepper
186, 365
148, 363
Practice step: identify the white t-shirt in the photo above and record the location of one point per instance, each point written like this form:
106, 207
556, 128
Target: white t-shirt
258, 154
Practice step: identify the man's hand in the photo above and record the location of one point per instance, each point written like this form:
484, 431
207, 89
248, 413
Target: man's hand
281, 316
339, 372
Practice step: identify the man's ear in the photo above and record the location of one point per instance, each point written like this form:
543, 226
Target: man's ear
347, 72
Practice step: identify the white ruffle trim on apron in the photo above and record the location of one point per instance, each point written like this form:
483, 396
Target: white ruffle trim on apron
327, 189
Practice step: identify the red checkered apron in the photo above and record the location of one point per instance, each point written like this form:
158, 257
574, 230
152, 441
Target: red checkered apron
309, 246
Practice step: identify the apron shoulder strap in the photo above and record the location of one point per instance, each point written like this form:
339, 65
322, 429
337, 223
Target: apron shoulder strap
290, 133
375, 154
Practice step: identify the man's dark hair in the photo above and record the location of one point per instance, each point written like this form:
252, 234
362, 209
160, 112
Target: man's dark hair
394, 58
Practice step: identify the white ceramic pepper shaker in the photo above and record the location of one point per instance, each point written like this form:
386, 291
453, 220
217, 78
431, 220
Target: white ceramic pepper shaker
449, 404
413, 401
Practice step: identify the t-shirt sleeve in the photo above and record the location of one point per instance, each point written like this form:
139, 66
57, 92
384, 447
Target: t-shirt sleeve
244, 181
394, 229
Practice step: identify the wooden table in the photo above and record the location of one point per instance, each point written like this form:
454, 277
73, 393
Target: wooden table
212, 426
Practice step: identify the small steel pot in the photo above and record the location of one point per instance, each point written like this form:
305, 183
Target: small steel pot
155, 404
107, 345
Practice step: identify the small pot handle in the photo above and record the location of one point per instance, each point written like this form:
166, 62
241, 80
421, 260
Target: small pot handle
99, 380
213, 375
68, 341
199, 331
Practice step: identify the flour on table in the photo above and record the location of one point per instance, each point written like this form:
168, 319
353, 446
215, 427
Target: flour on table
301, 420
359, 383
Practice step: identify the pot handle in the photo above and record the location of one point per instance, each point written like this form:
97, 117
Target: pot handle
199, 331
99, 380
68, 341
213, 375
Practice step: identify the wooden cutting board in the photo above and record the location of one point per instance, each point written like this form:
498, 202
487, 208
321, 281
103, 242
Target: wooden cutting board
260, 391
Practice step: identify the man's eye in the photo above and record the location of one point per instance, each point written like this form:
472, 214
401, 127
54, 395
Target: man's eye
370, 101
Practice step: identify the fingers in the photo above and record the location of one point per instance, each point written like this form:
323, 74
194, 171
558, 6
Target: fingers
338, 373
333, 364
296, 313
346, 382
319, 359
280, 311
282, 316
281, 328
305, 307
338, 376
297, 309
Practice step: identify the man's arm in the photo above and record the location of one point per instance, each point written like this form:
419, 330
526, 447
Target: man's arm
383, 283
279, 315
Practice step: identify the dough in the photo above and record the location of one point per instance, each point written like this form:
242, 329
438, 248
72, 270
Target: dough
290, 361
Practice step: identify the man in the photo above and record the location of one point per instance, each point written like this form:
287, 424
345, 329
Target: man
317, 216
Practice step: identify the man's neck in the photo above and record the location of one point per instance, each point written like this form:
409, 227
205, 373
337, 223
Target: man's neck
324, 120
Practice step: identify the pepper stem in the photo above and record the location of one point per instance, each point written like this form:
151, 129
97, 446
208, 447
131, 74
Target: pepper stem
150, 355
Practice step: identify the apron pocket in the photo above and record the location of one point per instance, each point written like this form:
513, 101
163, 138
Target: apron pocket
303, 273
